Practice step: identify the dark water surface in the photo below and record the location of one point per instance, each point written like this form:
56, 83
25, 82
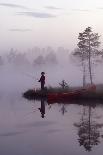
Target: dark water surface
36, 128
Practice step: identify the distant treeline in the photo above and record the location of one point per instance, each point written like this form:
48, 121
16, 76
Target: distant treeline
36, 56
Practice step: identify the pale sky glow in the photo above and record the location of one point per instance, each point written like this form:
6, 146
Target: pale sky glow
28, 23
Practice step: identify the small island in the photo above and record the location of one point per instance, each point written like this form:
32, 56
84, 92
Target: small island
68, 94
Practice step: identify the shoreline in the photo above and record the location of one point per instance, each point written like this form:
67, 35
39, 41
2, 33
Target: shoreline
90, 95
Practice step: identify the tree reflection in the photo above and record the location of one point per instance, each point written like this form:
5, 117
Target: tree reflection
88, 129
63, 109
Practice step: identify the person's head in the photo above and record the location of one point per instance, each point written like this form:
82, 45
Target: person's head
42, 73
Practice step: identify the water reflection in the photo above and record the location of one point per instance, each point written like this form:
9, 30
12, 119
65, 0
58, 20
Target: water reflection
42, 108
10, 134
88, 126
63, 109
88, 129
37, 124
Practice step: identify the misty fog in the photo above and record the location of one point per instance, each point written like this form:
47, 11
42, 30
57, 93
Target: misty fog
20, 71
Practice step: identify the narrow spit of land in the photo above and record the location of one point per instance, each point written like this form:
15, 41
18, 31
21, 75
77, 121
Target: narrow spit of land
96, 95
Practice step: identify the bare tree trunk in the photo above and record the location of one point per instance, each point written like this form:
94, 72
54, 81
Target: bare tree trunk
84, 76
90, 69
84, 72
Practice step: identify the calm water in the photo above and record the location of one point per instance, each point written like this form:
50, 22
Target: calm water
36, 128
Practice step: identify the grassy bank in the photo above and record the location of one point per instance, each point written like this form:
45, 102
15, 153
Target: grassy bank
36, 94
86, 95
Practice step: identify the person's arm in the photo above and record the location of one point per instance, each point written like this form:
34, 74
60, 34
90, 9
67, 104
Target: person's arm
39, 80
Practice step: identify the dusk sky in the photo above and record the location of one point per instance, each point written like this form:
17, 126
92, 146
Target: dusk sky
28, 23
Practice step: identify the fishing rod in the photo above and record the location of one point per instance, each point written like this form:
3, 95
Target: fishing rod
29, 75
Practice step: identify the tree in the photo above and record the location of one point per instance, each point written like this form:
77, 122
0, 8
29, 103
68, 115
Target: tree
63, 84
39, 60
11, 56
51, 58
17, 58
81, 57
88, 44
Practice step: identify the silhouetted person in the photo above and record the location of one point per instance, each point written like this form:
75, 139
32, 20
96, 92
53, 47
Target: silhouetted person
42, 108
42, 80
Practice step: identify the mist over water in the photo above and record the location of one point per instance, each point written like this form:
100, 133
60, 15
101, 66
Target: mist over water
22, 129
24, 71
35, 37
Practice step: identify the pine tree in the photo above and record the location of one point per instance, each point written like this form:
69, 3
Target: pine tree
88, 45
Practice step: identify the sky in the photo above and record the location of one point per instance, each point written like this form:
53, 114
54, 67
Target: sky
28, 23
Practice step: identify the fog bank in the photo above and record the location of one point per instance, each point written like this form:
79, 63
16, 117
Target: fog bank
21, 71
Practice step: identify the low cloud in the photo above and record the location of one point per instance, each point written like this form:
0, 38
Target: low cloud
20, 30
100, 8
81, 10
36, 14
11, 5
52, 8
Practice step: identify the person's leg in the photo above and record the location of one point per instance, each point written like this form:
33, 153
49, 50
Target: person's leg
42, 86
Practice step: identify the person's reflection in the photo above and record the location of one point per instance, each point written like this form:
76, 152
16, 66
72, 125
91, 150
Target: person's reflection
42, 108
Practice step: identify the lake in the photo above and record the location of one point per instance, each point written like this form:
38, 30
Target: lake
30, 127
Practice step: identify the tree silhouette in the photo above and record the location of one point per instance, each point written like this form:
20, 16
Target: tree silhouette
88, 44
63, 84
63, 109
17, 58
39, 60
51, 58
88, 130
